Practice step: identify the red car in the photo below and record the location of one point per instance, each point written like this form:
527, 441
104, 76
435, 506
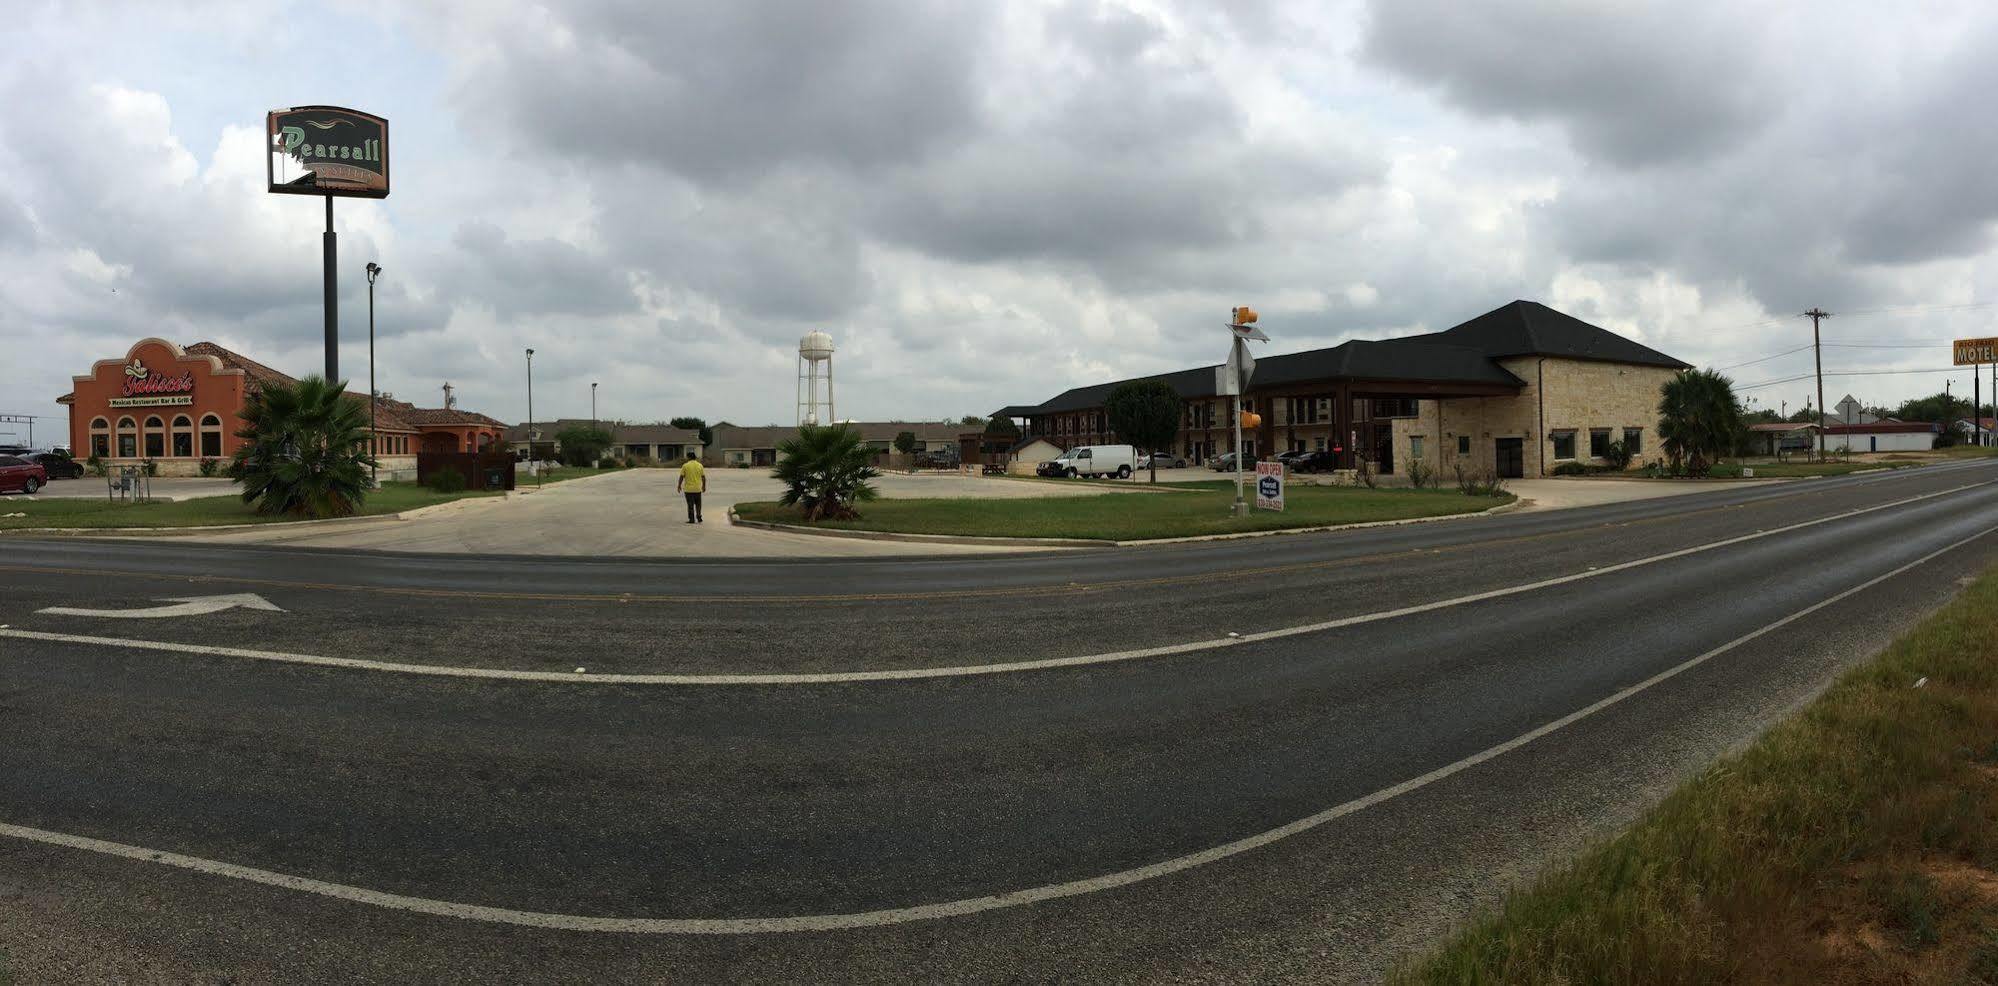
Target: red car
17, 473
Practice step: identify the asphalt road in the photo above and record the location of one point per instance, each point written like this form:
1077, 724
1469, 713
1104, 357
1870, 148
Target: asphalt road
1301, 801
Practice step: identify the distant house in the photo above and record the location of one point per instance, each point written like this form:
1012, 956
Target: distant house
628, 441
1781, 437
737, 445
1030, 453
1885, 435
1979, 431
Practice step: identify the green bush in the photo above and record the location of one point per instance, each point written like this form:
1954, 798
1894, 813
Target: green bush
1571, 469
607, 463
446, 481
210, 467
304, 451
95, 464
152, 468
1725, 470
1617, 455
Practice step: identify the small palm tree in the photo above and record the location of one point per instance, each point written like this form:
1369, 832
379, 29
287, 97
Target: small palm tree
1698, 419
825, 471
304, 450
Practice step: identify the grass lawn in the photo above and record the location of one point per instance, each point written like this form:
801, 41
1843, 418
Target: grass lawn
1856, 842
391, 498
1203, 509
558, 474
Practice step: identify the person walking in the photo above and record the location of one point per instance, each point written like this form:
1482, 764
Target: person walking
693, 482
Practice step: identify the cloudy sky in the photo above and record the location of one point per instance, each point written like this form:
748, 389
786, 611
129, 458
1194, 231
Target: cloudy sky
986, 203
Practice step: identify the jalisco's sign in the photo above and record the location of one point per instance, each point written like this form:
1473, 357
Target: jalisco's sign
327, 150
1970, 352
144, 387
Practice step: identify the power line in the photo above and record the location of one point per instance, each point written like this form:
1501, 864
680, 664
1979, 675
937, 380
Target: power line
1845, 373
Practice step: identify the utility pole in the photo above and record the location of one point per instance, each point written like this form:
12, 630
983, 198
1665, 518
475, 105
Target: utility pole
374, 395
1818, 356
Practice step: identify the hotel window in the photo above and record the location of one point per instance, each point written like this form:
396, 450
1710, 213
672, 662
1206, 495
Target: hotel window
183, 436
128, 438
1564, 445
1598, 442
155, 437
1633, 441
1415, 446
1463, 445
211, 436
100, 437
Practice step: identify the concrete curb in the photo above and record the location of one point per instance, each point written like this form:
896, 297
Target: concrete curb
733, 518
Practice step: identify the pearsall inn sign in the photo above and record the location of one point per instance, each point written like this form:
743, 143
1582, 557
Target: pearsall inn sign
327, 150
144, 388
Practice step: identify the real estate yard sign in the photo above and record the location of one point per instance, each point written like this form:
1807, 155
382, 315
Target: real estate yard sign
1269, 485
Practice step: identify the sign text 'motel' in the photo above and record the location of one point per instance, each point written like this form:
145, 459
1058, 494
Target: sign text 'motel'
1970, 352
328, 150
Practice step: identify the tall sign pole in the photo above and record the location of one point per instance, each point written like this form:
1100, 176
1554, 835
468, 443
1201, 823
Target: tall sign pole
327, 151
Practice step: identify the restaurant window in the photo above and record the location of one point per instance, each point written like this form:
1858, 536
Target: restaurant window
1598, 442
128, 438
1564, 445
155, 437
100, 437
211, 436
1633, 441
183, 436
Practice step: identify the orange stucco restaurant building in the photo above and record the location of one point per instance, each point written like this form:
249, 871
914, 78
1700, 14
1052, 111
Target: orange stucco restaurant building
178, 406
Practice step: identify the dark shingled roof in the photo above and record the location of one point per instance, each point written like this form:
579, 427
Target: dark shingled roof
1529, 328
1466, 353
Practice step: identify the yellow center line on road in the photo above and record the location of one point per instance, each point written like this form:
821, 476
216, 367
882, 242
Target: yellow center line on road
994, 592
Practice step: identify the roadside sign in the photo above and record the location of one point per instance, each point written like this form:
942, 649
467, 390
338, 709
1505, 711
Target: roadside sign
1269, 485
1970, 352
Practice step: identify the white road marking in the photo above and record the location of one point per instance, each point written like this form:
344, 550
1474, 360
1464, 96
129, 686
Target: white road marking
915, 674
188, 606
920, 912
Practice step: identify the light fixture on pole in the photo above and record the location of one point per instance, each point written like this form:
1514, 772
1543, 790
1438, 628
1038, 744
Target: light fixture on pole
530, 417
374, 396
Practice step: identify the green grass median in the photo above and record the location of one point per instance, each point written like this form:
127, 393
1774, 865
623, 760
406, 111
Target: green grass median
1134, 516
1856, 842
202, 512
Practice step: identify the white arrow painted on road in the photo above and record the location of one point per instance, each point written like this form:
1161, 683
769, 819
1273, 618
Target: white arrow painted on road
187, 606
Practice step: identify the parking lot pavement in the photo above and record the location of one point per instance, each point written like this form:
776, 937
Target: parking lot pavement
163, 488
636, 513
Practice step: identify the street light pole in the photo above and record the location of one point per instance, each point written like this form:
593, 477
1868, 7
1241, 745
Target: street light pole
530, 417
374, 396
593, 405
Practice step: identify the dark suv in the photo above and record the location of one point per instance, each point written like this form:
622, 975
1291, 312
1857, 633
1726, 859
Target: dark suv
56, 466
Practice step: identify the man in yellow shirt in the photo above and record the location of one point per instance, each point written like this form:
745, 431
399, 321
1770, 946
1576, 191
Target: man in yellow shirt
693, 482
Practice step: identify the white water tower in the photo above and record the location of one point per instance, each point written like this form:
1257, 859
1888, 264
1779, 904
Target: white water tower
815, 378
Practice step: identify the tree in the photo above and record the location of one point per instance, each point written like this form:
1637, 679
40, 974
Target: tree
1699, 419
304, 451
905, 442
1002, 425
697, 425
971, 420
1146, 414
582, 445
825, 471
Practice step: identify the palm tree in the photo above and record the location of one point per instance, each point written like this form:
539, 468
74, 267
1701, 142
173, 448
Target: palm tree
304, 450
1699, 419
825, 471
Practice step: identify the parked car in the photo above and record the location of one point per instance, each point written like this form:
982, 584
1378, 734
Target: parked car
57, 466
18, 474
1163, 460
1097, 460
1225, 462
14, 449
1324, 460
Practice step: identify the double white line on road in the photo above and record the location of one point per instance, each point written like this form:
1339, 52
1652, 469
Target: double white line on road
914, 674
920, 912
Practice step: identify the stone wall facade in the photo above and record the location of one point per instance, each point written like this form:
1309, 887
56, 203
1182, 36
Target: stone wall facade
1583, 398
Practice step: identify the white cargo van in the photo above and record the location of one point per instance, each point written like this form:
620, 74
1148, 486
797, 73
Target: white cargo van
1096, 460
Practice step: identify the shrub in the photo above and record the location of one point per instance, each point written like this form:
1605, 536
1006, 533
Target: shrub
1474, 483
152, 468
210, 466
607, 463
1617, 456
1571, 469
825, 471
446, 481
95, 464
1420, 475
304, 450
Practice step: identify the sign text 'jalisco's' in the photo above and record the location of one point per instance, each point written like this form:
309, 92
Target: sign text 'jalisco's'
328, 150
145, 388
1970, 352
